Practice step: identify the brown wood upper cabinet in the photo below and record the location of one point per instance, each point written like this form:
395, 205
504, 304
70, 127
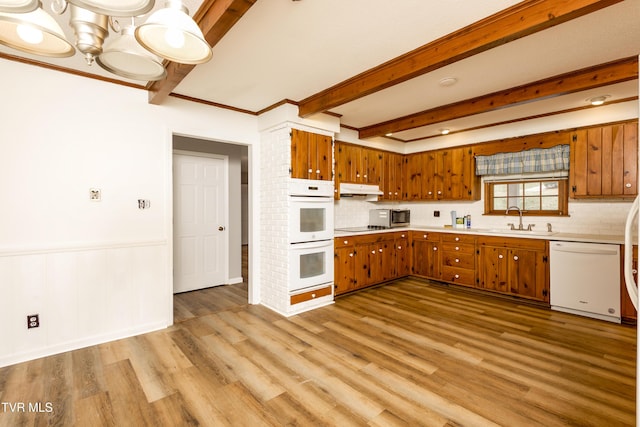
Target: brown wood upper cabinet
442, 175
356, 164
604, 161
311, 155
392, 176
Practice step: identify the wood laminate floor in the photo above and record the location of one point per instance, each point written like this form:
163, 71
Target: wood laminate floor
408, 353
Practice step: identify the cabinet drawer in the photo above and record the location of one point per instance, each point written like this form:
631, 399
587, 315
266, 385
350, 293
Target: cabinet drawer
458, 238
343, 242
426, 236
458, 248
310, 295
458, 260
459, 276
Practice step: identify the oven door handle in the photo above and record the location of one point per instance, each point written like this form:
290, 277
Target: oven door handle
313, 245
311, 199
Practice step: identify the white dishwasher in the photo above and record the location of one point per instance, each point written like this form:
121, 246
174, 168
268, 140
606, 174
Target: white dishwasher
585, 279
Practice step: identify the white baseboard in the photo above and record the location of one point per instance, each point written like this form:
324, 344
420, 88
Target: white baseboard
78, 344
234, 280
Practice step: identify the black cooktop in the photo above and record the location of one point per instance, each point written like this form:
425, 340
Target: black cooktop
362, 229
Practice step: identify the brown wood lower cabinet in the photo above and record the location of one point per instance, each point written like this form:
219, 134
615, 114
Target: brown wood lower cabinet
518, 267
365, 260
507, 265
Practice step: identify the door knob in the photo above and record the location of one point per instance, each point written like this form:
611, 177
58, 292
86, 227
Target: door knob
221, 228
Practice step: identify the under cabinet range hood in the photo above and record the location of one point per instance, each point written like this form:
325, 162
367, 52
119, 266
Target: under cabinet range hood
371, 192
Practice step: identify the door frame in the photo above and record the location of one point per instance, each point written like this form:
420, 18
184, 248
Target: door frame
225, 160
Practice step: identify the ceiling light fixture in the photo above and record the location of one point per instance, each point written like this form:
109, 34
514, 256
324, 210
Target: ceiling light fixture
448, 81
169, 33
598, 100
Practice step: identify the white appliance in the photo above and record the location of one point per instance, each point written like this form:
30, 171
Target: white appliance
310, 264
585, 279
631, 285
310, 211
310, 234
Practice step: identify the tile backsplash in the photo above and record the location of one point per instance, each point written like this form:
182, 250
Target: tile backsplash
585, 217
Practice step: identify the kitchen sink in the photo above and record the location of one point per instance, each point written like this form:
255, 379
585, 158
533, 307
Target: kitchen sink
516, 232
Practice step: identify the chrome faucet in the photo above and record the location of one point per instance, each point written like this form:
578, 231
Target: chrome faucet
511, 208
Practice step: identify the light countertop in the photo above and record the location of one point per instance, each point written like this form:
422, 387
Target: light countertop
567, 237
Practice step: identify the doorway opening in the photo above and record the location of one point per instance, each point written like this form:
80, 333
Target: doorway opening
235, 293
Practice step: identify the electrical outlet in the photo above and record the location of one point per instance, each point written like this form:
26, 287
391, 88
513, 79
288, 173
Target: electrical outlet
436, 214
33, 321
95, 195
144, 204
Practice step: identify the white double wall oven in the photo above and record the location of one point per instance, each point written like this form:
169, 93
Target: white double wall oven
310, 234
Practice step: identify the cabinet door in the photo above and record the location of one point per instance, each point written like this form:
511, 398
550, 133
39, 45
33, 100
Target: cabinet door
311, 155
403, 257
391, 183
413, 181
527, 276
432, 182
426, 258
387, 261
493, 272
604, 161
321, 156
363, 266
300, 166
373, 166
344, 269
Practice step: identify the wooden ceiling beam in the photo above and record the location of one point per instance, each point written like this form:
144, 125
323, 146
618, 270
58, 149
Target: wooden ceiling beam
522, 19
588, 78
215, 18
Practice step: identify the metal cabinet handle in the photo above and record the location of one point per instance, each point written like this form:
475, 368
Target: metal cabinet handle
457, 248
313, 295
628, 185
351, 254
310, 170
457, 276
457, 239
380, 250
373, 252
430, 193
318, 171
439, 192
515, 258
220, 228
399, 247
403, 236
500, 256
424, 235
435, 248
457, 260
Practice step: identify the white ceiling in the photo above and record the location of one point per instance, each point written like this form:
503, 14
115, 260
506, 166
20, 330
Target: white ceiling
284, 49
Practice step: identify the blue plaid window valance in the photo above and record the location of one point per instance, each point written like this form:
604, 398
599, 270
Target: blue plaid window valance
529, 161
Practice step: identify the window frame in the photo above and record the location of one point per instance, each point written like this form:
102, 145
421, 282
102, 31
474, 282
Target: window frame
563, 197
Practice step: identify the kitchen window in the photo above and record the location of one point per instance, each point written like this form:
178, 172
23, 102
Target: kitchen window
534, 181
534, 197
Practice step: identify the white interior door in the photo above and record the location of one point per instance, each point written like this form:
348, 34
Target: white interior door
200, 236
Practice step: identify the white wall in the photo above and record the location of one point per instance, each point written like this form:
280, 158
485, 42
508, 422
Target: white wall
94, 271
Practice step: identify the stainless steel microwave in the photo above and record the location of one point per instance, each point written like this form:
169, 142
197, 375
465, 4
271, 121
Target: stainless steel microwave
388, 218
